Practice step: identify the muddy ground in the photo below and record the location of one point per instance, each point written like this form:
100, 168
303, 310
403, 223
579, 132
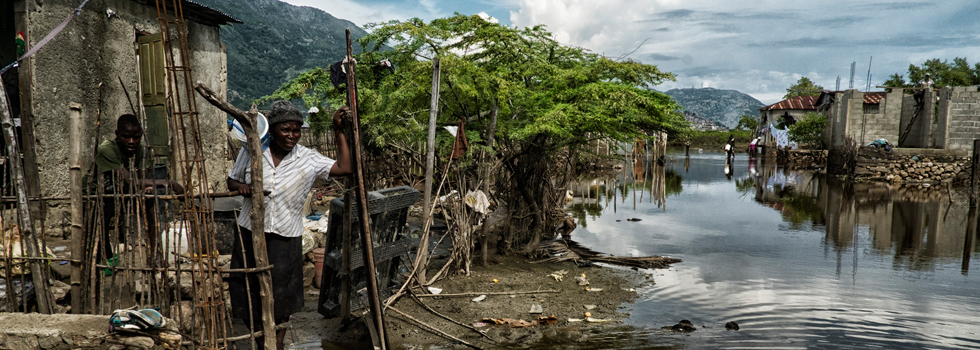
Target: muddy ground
611, 290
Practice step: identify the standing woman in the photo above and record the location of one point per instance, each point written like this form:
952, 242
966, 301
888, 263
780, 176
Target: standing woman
288, 172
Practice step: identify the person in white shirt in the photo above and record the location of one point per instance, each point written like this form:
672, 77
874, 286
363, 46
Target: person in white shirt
288, 172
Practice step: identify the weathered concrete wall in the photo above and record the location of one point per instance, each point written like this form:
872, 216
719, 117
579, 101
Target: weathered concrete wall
85, 64
885, 123
920, 134
964, 117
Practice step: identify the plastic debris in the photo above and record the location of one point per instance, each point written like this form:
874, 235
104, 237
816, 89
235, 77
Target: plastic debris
596, 320
589, 307
480, 298
581, 280
536, 309
593, 289
435, 290
588, 314
574, 319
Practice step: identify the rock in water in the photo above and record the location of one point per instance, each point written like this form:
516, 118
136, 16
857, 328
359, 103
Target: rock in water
683, 326
732, 326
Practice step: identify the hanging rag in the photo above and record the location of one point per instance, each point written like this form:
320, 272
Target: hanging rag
460, 145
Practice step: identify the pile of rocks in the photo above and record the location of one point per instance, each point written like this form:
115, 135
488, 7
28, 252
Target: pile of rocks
802, 159
875, 164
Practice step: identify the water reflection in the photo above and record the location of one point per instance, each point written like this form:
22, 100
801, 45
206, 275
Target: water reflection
647, 180
910, 224
797, 259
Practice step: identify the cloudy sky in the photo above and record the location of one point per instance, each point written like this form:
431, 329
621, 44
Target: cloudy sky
758, 47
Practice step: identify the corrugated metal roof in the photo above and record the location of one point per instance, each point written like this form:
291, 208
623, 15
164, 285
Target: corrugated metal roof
797, 103
195, 11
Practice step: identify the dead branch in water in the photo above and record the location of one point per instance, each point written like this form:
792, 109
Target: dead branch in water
562, 250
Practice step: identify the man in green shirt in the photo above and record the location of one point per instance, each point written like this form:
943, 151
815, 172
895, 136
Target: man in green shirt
123, 164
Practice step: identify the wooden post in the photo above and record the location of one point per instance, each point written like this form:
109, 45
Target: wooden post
975, 168
367, 245
248, 122
77, 206
484, 240
44, 302
430, 158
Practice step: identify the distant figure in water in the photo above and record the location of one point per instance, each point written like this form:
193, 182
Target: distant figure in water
728, 169
730, 147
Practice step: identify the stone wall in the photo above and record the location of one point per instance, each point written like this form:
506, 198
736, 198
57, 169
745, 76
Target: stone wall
64, 332
875, 164
802, 159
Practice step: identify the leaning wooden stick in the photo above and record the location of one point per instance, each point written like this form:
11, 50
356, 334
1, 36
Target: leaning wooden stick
417, 300
367, 244
432, 329
248, 121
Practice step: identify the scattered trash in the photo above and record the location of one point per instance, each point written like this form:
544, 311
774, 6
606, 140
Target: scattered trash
581, 280
589, 307
510, 321
593, 289
435, 290
494, 280
588, 314
558, 275
632, 289
547, 319
732, 326
536, 309
480, 298
480, 324
574, 319
137, 320
597, 320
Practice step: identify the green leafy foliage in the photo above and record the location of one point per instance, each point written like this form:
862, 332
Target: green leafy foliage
944, 73
747, 122
809, 130
545, 91
803, 87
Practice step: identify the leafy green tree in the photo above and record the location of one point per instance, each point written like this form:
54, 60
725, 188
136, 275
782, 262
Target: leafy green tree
809, 130
896, 80
803, 87
551, 99
747, 122
944, 73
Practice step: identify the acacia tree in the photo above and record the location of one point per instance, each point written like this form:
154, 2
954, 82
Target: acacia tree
803, 87
551, 98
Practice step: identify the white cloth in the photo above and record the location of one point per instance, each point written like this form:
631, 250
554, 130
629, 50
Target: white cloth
782, 138
290, 182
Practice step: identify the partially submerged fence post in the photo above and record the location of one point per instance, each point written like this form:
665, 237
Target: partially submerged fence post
31, 246
77, 216
974, 173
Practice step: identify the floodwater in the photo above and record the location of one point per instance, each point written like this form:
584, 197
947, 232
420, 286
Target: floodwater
799, 261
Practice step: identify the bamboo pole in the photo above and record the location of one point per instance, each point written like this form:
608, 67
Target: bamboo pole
23, 207
77, 206
367, 246
422, 256
248, 121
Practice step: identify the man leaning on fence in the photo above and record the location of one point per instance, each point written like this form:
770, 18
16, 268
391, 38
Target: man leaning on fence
123, 163
288, 172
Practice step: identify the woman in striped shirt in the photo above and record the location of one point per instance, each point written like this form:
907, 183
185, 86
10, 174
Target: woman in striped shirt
288, 172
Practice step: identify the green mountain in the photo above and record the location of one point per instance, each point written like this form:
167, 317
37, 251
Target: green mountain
723, 107
276, 42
